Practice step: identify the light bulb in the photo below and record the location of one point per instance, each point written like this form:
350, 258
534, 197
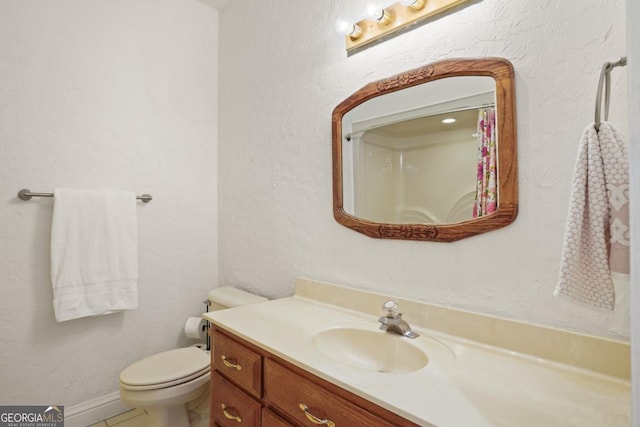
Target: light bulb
381, 16
449, 120
348, 29
413, 4
374, 12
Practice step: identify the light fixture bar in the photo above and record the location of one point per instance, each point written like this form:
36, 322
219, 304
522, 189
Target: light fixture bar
402, 16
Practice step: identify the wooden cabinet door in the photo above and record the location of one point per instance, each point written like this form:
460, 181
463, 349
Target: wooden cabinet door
269, 419
232, 407
240, 364
311, 405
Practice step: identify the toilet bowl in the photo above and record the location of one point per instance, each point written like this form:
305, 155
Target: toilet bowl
164, 383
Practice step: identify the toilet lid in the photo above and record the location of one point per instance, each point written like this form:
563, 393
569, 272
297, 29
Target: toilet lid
167, 367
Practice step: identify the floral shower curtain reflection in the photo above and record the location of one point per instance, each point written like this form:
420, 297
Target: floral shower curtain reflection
486, 194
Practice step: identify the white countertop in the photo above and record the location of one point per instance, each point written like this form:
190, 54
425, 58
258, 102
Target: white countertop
484, 386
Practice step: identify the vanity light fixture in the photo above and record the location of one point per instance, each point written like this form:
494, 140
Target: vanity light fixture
448, 120
382, 22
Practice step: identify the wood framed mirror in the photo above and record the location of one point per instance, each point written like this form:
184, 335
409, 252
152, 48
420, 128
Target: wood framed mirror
428, 154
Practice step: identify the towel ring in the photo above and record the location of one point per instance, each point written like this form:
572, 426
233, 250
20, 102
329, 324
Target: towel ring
605, 79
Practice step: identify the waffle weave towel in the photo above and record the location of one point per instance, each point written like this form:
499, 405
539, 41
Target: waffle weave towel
596, 240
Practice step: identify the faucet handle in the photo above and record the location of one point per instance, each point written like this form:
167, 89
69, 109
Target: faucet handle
391, 308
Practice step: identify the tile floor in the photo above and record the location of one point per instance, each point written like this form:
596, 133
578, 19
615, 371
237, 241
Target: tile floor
134, 418
198, 416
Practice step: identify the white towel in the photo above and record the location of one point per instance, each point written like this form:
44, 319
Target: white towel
596, 239
94, 252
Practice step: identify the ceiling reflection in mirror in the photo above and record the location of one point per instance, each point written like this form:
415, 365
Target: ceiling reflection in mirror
412, 156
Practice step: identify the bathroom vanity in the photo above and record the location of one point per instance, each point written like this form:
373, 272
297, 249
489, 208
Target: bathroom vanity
318, 358
251, 386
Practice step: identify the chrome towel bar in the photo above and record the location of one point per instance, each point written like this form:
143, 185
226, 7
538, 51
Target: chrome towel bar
26, 194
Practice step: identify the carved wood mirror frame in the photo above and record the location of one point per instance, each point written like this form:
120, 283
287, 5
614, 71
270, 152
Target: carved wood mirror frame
501, 71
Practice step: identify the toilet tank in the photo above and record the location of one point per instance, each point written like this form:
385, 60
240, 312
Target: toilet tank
228, 297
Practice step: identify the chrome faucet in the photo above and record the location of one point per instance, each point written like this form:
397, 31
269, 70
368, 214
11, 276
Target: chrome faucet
392, 321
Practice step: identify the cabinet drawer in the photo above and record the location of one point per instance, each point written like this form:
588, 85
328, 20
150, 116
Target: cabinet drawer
269, 419
240, 364
309, 404
230, 406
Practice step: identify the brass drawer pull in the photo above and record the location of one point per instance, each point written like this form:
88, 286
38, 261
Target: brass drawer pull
229, 364
228, 415
313, 418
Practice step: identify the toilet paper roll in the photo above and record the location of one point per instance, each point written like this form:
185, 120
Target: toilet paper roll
196, 328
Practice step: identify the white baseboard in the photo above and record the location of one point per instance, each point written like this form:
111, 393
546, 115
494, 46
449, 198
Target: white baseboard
93, 411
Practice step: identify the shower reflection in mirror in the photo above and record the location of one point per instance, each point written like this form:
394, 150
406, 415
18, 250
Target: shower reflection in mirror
432, 164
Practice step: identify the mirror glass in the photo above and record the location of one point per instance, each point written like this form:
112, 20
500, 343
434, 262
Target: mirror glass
412, 156
428, 154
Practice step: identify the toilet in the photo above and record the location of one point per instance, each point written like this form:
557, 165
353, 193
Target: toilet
164, 383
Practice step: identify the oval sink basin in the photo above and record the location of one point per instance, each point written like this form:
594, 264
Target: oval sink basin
373, 350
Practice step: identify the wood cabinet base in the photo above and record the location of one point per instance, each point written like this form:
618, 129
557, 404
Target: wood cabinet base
252, 387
